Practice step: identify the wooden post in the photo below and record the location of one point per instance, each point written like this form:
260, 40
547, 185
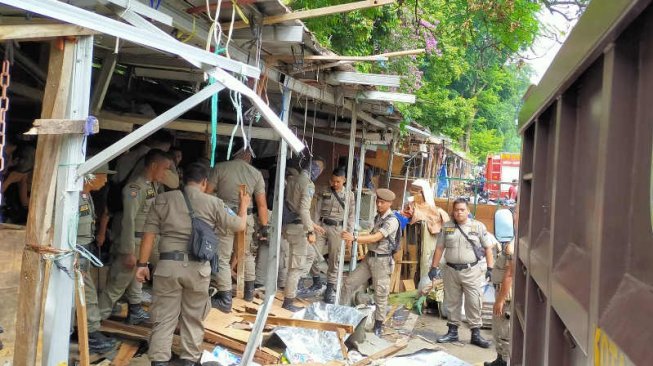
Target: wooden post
41, 206
82, 320
240, 257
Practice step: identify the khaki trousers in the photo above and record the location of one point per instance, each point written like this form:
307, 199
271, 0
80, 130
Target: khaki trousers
313, 259
180, 295
222, 280
262, 263
333, 242
501, 332
90, 296
298, 252
457, 284
380, 270
122, 281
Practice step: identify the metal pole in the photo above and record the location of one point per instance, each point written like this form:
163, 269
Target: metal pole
393, 146
273, 259
403, 194
359, 191
350, 168
60, 294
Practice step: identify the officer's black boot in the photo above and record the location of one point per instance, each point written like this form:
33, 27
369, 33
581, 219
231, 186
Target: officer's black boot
498, 362
222, 301
451, 336
160, 363
249, 290
378, 327
317, 284
137, 315
477, 340
99, 343
288, 305
188, 363
330, 294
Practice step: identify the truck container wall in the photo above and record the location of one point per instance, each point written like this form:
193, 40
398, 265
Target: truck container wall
583, 288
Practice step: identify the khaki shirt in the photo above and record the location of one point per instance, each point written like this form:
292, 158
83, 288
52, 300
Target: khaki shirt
86, 222
329, 207
457, 250
501, 262
386, 226
137, 197
299, 195
130, 162
227, 176
169, 217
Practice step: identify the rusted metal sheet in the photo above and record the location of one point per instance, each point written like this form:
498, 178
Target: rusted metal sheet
584, 280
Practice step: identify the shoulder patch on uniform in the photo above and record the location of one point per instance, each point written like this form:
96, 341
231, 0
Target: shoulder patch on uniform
449, 230
133, 193
310, 190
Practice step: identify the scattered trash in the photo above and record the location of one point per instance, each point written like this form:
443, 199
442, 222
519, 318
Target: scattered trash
219, 357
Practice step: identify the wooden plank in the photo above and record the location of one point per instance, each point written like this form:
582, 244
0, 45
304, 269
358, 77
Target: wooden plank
303, 323
82, 321
341, 339
41, 207
259, 355
383, 353
326, 58
39, 32
60, 127
313, 13
409, 285
391, 313
240, 257
126, 352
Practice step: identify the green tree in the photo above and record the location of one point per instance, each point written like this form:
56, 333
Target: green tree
470, 82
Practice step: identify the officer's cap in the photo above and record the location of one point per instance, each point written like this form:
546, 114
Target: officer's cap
385, 194
104, 169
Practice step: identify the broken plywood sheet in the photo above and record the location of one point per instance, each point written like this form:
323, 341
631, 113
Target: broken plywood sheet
12, 241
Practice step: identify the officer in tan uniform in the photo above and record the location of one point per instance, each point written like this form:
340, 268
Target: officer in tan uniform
299, 194
225, 181
181, 283
138, 196
330, 212
463, 242
97, 342
378, 262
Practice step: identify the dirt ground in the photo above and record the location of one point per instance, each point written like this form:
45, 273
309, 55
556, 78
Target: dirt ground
431, 327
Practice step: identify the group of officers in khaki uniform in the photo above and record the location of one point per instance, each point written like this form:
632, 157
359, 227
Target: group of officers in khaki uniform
154, 229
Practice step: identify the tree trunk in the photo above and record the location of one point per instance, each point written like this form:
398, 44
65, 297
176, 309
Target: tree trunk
468, 132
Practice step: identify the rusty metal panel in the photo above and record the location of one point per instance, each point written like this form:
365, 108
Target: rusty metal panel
583, 289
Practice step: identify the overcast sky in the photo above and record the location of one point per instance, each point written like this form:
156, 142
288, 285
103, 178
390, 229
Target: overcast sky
545, 48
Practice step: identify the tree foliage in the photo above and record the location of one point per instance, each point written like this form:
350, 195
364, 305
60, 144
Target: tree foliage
469, 83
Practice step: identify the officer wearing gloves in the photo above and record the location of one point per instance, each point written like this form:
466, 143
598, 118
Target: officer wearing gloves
463, 242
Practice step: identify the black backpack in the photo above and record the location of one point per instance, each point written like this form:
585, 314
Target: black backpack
203, 243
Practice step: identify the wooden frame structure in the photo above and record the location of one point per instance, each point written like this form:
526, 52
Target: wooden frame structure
60, 158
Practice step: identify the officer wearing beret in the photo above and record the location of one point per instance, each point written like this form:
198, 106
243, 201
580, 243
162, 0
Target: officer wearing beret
378, 262
461, 241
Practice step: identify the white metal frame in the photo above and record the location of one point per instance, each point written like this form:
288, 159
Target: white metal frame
61, 286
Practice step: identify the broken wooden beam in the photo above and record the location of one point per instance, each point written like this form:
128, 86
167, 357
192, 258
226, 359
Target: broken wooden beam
313, 13
40, 32
259, 356
61, 127
303, 323
126, 352
384, 353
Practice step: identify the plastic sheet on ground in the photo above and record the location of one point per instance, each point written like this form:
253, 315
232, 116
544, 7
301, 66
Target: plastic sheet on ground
426, 357
311, 345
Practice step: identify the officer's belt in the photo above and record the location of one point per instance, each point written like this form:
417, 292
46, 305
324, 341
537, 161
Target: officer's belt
250, 210
460, 267
138, 234
377, 255
177, 256
296, 222
331, 222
